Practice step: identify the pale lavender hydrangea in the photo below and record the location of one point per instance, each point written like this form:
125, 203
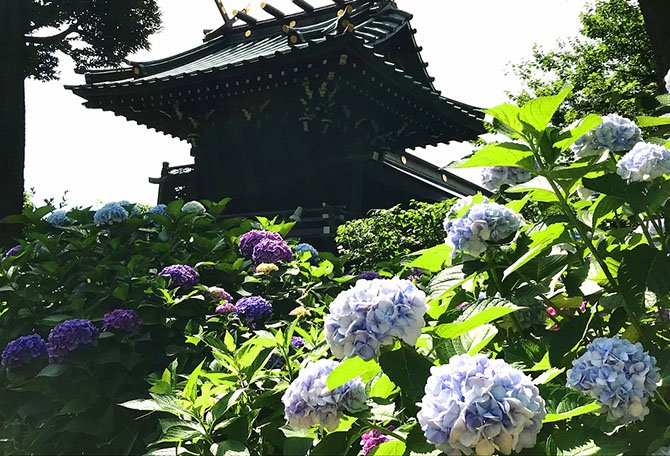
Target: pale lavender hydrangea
14, 251
645, 162
272, 251
123, 320
110, 213
368, 275
69, 335
193, 207
58, 218
481, 405
483, 224
371, 439
494, 177
249, 240
615, 133
374, 313
619, 374
253, 309
22, 351
309, 402
181, 275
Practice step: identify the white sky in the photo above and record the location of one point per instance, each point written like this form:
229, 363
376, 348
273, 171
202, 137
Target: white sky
99, 157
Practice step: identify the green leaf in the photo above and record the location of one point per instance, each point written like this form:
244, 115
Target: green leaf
230, 448
433, 259
567, 338
503, 154
539, 111
582, 410
407, 369
584, 442
141, 404
644, 268
548, 376
382, 387
646, 121
391, 448
538, 188
569, 137
563, 403
446, 281
541, 241
53, 370
469, 343
508, 115
191, 389
350, 369
482, 313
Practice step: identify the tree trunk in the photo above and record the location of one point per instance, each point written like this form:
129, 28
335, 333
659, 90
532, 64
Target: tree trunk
657, 22
12, 114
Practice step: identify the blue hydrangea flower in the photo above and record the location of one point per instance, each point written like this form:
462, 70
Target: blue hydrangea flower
494, 177
69, 335
193, 207
271, 251
159, 209
109, 214
457, 208
253, 310
181, 275
615, 133
249, 240
14, 251
481, 405
309, 402
619, 374
124, 320
483, 223
374, 313
368, 275
645, 162
58, 218
304, 247
297, 342
22, 351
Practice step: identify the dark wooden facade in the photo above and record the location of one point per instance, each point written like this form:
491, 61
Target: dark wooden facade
301, 110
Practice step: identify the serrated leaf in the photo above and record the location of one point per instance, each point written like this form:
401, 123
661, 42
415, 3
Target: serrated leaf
433, 259
481, 313
563, 403
446, 281
469, 343
141, 404
391, 448
541, 241
647, 121
508, 115
191, 389
570, 137
644, 268
539, 111
407, 369
502, 154
230, 448
351, 369
584, 442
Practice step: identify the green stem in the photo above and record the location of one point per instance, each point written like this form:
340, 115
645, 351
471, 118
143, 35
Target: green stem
646, 232
663, 401
385, 431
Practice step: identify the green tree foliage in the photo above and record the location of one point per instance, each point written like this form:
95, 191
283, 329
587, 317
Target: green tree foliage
610, 64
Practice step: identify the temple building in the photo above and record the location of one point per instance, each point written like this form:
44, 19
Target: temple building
314, 109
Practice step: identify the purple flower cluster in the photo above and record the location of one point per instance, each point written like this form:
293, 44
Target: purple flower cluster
253, 310
370, 440
22, 351
225, 309
181, 275
12, 252
249, 240
297, 342
68, 336
368, 275
219, 294
122, 320
272, 251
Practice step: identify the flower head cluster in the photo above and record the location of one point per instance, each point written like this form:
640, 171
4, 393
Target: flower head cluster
218, 294
304, 248
615, 133
225, 309
416, 275
494, 177
159, 209
645, 162
370, 440
22, 351
374, 313
181, 275
309, 402
297, 342
456, 209
249, 240
483, 223
124, 320
368, 275
14, 251
300, 311
266, 268
58, 218
619, 374
68, 336
253, 309
271, 251
479, 404
193, 207
667, 81
110, 213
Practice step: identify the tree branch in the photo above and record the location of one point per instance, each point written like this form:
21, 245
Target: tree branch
53, 38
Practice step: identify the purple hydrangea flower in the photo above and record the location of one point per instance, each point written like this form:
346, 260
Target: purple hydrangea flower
14, 251
368, 275
69, 335
272, 251
58, 218
297, 342
309, 402
619, 374
249, 240
370, 440
374, 313
219, 294
110, 213
122, 320
483, 223
253, 309
494, 177
481, 405
417, 275
22, 351
225, 309
181, 275
615, 133
304, 248
644, 163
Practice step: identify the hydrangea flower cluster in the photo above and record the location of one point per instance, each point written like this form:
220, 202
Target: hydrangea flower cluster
368, 275
249, 240
481, 405
300, 311
218, 294
22, 351
110, 213
297, 342
58, 218
615, 133
494, 177
181, 275
304, 248
374, 313
452, 215
123, 320
266, 268
68, 336
253, 309
225, 309
271, 251
12, 252
160, 209
667, 81
483, 223
193, 207
645, 162
370, 440
309, 402
619, 374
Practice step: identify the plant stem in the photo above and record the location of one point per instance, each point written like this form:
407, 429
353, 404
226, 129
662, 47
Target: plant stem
498, 285
646, 232
385, 431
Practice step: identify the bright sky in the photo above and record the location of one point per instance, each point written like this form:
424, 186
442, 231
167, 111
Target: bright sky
97, 157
